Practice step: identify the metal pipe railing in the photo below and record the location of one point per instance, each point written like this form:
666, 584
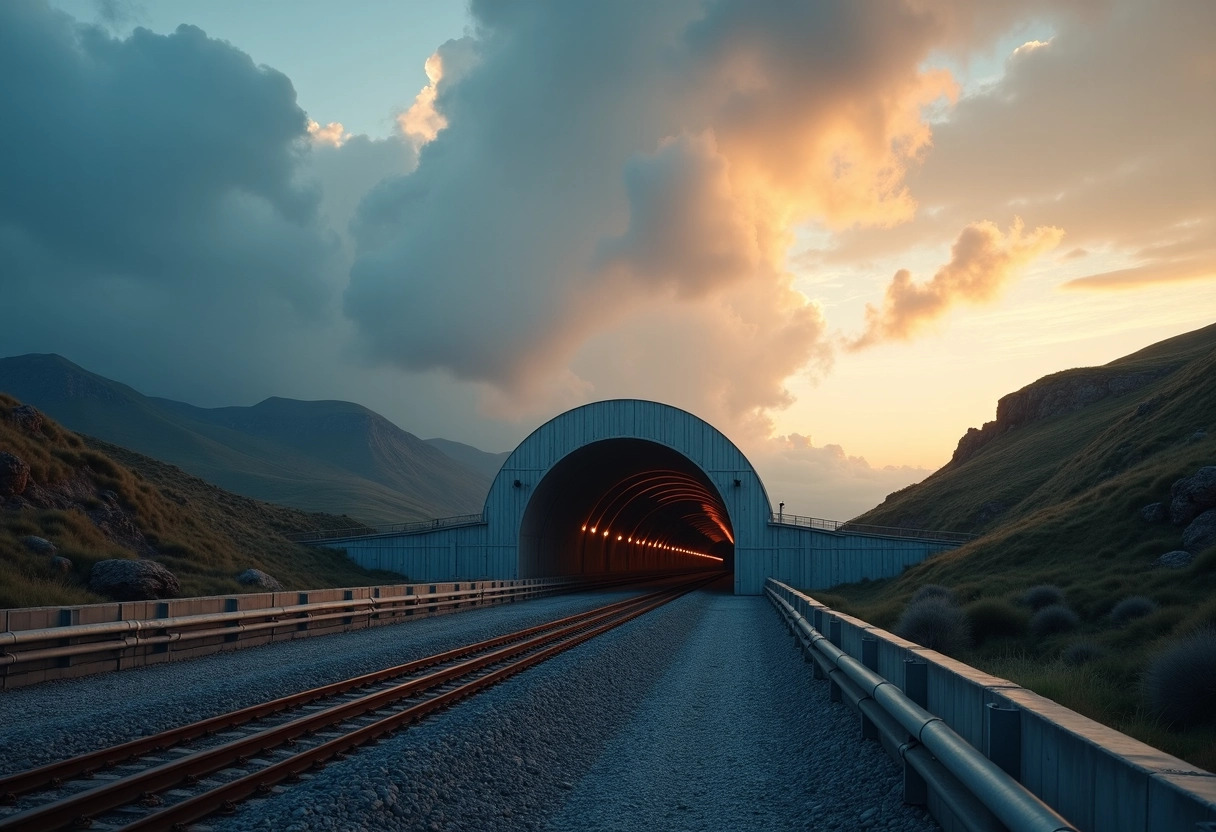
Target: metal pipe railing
1000, 794
847, 526
412, 527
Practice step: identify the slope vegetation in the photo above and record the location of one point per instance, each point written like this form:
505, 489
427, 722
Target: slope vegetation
328, 456
95, 501
1056, 487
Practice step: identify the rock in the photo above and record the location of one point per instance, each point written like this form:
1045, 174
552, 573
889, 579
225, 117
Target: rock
1191, 496
27, 418
258, 578
1053, 395
61, 564
1201, 533
14, 475
133, 580
1198, 436
39, 544
1174, 560
1154, 513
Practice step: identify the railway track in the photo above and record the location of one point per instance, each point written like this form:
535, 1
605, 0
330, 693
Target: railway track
172, 779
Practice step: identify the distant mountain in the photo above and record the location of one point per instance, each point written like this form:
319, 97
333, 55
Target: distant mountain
470, 457
329, 456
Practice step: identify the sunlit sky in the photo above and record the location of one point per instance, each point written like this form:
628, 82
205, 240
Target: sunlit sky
837, 231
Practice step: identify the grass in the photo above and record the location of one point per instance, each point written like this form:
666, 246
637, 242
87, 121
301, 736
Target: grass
205, 535
1073, 486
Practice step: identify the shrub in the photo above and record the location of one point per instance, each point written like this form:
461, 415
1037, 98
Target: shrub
1180, 684
935, 623
1053, 619
1043, 595
932, 591
1082, 652
1135, 606
994, 618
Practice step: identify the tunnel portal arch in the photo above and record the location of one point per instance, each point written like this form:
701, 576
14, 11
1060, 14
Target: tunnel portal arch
658, 485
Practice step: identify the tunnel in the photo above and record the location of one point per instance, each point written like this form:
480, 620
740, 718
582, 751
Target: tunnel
624, 505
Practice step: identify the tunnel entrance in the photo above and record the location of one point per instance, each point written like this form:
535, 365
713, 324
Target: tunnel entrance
623, 505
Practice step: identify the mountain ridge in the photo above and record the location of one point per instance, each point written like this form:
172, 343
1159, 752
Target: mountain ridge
331, 456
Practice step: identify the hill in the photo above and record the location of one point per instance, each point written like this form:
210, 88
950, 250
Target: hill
1058, 486
327, 456
478, 460
95, 501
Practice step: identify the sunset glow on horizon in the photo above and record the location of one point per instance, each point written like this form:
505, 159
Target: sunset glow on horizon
838, 232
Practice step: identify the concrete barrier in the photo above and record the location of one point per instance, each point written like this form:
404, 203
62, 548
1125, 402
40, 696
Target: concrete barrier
39, 644
1101, 780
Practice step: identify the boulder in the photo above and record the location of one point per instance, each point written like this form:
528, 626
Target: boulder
1154, 513
39, 545
14, 475
133, 580
1174, 560
61, 564
1201, 533
1193, 495
258, 578
27, 418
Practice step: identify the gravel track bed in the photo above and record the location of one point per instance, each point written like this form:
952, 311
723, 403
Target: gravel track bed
699, 715
59, 719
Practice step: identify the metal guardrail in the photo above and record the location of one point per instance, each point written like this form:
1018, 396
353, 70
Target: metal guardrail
866, 528
980, 793
413, 527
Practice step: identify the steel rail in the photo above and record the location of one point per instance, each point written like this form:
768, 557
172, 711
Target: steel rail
74, 810
42, 777
260, 782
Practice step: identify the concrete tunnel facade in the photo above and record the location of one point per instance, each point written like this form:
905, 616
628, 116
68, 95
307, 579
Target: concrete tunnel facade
630, 485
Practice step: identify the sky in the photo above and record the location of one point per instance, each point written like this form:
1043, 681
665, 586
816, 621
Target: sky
837, 231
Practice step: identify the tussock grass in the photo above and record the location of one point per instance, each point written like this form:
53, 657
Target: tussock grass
1072, 487
206, 536
935, 622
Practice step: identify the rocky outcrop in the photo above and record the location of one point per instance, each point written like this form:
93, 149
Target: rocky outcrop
27, 418
14, 475
133, 580
261, 580
1055, 395
39, 545
1201, 533
1193, 495
1176, 559
1154, 513
61, 564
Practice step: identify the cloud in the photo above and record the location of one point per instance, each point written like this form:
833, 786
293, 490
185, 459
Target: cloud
982, 261
153, 209
824, 481
589, 166
332, 134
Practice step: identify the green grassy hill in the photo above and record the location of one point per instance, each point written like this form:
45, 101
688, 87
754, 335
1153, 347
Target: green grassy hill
1055, 487
204, 534
334, 457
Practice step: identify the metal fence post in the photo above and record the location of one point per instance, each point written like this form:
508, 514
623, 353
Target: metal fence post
834, 637
869, 657
916, 688
1003, 738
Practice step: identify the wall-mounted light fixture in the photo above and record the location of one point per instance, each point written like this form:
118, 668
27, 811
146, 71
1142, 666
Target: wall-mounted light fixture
738, 483
518, 484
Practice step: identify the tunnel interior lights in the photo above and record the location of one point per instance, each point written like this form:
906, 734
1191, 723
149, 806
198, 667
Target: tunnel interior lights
667, 547
657, 490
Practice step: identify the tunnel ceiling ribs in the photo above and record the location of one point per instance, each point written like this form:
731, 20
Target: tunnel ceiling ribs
656, 490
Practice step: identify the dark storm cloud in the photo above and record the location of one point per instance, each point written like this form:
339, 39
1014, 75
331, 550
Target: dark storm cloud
153, 220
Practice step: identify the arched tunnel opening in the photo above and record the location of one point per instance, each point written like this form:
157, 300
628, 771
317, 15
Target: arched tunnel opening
624, 505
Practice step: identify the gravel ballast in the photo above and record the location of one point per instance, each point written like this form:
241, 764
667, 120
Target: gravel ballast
699, 715
56, 720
